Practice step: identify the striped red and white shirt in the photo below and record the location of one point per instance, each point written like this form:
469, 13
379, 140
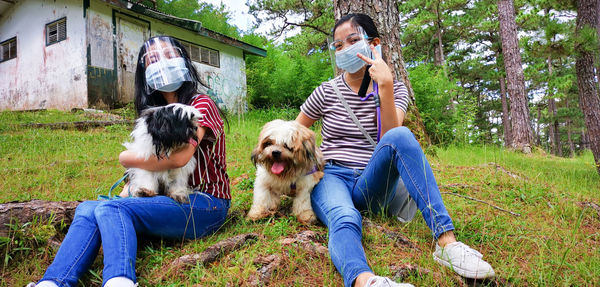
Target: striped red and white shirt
343, 142
210, 175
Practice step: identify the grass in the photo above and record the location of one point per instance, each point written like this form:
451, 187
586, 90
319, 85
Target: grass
555, 241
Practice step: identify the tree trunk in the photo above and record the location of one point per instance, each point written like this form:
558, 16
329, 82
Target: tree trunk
439, 48
570, 133
521, 130
554, 133
570, 139
589, 100
23, 212
505, 114
385, 14
538, 141
584, 140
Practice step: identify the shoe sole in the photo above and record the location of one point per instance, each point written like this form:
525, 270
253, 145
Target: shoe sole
463, 272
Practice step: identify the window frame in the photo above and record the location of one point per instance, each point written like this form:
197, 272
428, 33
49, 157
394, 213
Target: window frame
58, 39
200, 59
8, 44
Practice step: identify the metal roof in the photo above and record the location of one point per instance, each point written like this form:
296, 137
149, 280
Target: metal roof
188, 24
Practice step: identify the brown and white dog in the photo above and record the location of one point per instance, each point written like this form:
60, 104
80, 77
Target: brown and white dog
288, 162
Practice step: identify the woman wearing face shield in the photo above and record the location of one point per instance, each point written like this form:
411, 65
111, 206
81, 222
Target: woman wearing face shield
361, 175
164, 75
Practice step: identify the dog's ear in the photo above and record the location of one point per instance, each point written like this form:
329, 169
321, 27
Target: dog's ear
258, 148
307, 139
253, 156
313, 153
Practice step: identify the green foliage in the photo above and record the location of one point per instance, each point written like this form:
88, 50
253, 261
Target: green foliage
211, 16
26, 239
434, 96
294, 67
286, 77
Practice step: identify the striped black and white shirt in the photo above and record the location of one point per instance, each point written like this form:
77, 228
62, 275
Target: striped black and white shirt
210, 175
342, 140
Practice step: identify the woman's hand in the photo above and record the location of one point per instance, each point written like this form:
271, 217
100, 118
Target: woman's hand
380, 72
382, 75
125, 191
177, 159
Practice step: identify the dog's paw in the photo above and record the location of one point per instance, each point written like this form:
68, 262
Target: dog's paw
180, 197
258, 213
144, 192
307, 217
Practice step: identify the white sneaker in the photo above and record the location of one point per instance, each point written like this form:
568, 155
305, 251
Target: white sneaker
464, 260
120, 282
378, 281
45, 283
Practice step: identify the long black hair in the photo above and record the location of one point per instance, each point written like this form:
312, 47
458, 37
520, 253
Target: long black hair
358, 19
185, 93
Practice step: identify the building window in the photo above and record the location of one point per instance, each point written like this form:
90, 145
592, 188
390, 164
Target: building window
202, 54
8, 49
56, 31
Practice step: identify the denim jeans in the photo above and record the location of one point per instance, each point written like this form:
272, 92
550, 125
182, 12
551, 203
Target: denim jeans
115, 224
344, 192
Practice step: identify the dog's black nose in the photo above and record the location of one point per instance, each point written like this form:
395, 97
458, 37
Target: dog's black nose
276, 154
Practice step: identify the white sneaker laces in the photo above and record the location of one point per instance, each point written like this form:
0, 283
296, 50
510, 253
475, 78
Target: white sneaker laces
469, 250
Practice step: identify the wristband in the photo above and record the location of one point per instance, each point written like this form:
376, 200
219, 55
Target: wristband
193, 142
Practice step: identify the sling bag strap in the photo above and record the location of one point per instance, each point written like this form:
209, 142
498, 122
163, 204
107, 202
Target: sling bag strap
352, 116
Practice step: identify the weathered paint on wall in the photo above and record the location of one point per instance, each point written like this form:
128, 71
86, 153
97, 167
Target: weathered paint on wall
43, 76
101, 87
228, 83
102, 84
131, 34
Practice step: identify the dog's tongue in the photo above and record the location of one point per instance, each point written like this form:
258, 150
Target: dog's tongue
277, 167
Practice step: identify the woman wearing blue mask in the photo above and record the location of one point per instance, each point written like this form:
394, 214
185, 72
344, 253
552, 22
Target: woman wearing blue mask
164, 75
362, 174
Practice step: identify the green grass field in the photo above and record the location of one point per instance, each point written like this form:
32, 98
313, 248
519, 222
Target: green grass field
554, 242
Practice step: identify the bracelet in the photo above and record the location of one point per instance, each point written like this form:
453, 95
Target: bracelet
193, 142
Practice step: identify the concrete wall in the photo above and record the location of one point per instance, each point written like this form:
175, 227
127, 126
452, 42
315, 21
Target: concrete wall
43, 76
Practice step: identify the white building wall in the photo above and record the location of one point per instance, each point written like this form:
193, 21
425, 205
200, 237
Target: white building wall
43, 76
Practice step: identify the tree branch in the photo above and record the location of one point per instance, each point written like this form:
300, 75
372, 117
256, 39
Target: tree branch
479, 200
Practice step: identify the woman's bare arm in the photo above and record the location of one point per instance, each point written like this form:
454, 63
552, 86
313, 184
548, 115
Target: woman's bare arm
177, 159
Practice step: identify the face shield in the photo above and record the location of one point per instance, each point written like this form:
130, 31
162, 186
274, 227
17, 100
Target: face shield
343, 51
165, 66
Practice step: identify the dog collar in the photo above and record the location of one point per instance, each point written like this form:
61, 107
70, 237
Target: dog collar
293, 185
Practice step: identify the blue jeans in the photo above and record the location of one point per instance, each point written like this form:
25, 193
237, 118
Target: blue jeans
344, 192
115, 224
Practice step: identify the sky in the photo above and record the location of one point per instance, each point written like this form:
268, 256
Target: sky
244, 21
238, 10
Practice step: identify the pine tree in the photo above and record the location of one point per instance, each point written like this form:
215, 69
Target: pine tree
522, 137
587, 49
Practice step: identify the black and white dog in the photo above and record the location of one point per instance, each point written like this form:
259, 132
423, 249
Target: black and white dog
158, 132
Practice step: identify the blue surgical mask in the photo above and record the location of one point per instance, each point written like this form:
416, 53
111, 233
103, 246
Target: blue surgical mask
347, 60
167, 75
378, 48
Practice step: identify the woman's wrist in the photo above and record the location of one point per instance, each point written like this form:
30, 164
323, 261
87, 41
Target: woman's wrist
387, 82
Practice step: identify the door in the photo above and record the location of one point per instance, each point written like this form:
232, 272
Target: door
131, 34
